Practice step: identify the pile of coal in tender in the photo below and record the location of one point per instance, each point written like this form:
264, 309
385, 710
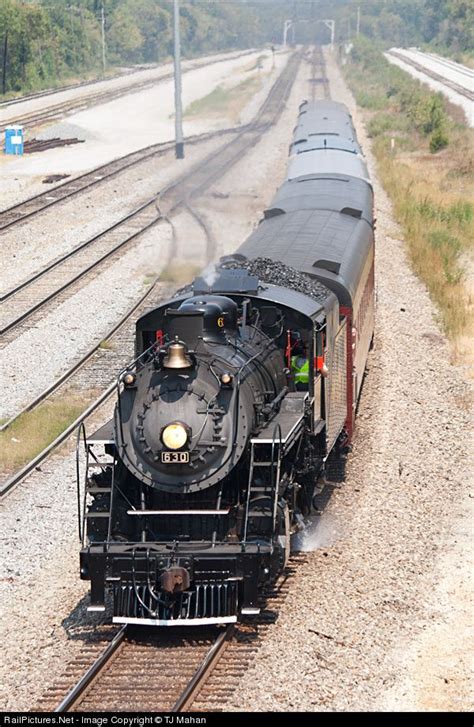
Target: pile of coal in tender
277, 273
272, 272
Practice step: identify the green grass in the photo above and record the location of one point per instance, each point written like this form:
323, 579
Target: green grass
437, 231
34, 430
224, 101
106, 345
383, 122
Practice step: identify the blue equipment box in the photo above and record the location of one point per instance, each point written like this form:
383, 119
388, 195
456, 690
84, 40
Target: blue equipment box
13, 140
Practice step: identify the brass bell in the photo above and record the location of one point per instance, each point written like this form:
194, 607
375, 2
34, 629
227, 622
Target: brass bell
176, 357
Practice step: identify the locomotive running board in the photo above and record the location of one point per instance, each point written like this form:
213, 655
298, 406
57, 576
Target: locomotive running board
175, 621
290, 419
178, 512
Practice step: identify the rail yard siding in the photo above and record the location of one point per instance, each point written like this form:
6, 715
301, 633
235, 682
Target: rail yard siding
463, 77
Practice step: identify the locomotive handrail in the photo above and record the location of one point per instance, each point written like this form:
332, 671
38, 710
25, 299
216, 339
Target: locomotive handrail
275, 484
81, 431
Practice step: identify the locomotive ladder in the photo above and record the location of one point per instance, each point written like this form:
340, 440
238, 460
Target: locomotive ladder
267, 452
91, 486
270, 487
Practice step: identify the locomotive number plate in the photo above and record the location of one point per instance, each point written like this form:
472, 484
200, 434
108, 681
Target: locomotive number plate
175, 457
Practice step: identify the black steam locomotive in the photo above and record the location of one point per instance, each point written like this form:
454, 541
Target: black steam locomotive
219, 440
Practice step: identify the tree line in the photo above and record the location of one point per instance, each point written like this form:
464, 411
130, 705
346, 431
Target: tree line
43, 42
447, 24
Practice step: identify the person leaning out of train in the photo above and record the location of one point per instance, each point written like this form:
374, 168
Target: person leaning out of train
300, 370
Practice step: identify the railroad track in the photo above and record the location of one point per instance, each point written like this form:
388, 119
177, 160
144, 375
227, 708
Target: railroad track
72, 86
98, 368
467, 93
448, 63
319, 82
177, 195
62, 278
33, 205
59, 110
148, 671
28, 301
167, 670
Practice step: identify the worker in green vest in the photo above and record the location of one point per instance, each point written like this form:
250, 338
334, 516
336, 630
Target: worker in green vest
300, 371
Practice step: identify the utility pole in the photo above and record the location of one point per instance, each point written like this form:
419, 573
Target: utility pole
331, 25
178, 117
358, 21
4, 74
102, 25
286, 27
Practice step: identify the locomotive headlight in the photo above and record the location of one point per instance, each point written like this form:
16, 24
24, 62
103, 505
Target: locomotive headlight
174, 436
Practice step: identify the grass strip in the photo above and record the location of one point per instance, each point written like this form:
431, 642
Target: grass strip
425, 157
36, 429
224, 100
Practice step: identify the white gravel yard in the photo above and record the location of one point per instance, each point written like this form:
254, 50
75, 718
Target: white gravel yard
368, 624
128, 80
124, 125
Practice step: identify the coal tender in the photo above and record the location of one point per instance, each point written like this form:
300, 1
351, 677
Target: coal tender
240, 403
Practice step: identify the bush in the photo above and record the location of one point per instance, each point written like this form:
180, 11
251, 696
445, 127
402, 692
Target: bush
383, 122
439, 140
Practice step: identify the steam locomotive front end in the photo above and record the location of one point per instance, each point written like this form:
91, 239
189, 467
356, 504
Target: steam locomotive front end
178, 547
176, 427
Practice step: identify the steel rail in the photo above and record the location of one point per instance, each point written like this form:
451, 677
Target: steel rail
186, 697
211, 245
448, 63
95, 176
80, 84
92, 266
461, 90
190, 692
19, 476
94, 670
